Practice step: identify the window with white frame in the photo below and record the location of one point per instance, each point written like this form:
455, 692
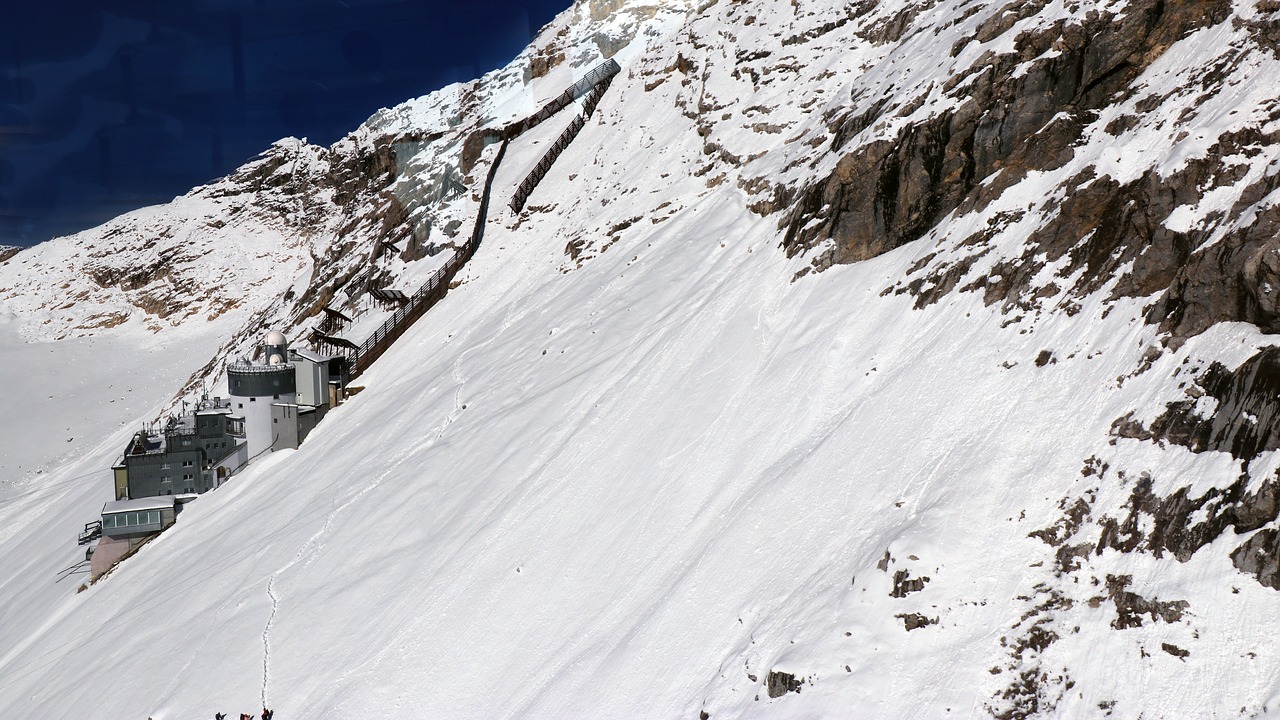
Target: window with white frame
131, 519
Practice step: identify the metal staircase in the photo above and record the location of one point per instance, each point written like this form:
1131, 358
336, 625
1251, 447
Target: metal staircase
593, 87
431, 292
607, 71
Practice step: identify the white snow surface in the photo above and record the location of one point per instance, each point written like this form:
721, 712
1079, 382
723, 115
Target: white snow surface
633, 485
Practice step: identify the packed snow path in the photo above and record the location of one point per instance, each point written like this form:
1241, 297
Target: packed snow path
593, 86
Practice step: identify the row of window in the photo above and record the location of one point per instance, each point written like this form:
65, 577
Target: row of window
185, 463
131, 519
275, 382
240, 406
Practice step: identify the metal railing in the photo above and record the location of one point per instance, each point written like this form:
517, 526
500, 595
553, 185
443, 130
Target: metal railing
249, 368
599, 73
433, 289
595, 82
92, 531
216, 403
549, 158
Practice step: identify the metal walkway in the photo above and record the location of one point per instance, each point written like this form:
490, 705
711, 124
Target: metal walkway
593, 86
540, 170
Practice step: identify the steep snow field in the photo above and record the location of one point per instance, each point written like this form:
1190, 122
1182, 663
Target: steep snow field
64, 395
632, 466
693, 484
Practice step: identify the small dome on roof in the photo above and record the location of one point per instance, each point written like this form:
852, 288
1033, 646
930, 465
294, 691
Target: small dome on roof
275, 338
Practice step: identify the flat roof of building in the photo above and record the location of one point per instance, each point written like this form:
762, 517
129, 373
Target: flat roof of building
236, 444
314, 357
159, 502
301, 408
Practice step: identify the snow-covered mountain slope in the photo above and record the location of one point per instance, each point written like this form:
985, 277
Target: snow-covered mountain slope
856, 360
65, 395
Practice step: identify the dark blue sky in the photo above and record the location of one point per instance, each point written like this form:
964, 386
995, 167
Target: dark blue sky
110, 105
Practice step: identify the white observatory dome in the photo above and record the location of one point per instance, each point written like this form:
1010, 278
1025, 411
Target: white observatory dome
275, 338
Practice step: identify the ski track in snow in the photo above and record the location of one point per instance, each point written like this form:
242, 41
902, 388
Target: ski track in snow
309, 548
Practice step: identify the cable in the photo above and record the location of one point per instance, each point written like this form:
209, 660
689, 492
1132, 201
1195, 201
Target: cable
33, 491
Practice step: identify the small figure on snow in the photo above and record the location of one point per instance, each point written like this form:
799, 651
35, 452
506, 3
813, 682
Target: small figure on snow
219, 716
246, 716
267, 714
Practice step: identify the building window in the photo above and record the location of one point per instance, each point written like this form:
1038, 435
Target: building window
253, 399
277, 397
240, 405
275, 420
186, 463
164, 466
132, 519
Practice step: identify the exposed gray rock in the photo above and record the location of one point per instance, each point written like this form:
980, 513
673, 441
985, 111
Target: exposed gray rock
1246, 418
904, 584
915, 621
1131, 607
780, 683
1171, 518
1260, 557
1179, 523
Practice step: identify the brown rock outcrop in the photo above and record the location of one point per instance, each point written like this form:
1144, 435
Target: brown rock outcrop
1245, 421
780, 683
1020, 112
1260, 557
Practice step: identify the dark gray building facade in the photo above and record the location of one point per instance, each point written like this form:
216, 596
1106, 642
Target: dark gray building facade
190, 456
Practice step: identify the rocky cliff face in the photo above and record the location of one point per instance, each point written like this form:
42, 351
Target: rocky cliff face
304, 227
242, 240
1190, 220
1009, 112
